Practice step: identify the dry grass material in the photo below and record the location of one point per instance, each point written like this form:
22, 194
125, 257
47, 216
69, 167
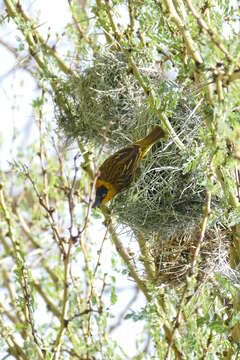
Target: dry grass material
166, 200
173, 258
168, 195
106, 92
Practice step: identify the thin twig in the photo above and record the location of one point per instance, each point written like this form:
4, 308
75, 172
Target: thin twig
82, 35
23, 271
203, 227
126, 258
170, 337
146, 256
49, 212
190, 44
211, 32
91, 286
131, 15
63, 317
50, 305
124, 311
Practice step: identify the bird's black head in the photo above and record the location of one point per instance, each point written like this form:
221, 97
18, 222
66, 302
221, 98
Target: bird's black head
101, 192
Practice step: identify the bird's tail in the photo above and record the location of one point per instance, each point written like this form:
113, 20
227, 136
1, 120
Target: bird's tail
147, 142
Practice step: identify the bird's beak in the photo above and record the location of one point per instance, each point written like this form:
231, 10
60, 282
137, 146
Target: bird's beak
97, 202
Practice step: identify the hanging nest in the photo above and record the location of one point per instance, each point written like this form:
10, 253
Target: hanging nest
173, 259
168, 195
107, 95
165, 203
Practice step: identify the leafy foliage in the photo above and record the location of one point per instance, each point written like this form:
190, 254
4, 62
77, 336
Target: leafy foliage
176, 229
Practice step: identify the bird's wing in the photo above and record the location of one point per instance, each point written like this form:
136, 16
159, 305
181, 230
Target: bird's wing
120, 168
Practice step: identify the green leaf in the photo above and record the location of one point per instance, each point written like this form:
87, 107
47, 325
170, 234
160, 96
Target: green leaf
113, 295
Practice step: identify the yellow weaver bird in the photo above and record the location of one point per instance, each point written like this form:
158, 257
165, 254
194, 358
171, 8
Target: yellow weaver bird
118, 171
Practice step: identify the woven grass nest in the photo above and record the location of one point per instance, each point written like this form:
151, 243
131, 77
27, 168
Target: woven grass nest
168, 195
173, 259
